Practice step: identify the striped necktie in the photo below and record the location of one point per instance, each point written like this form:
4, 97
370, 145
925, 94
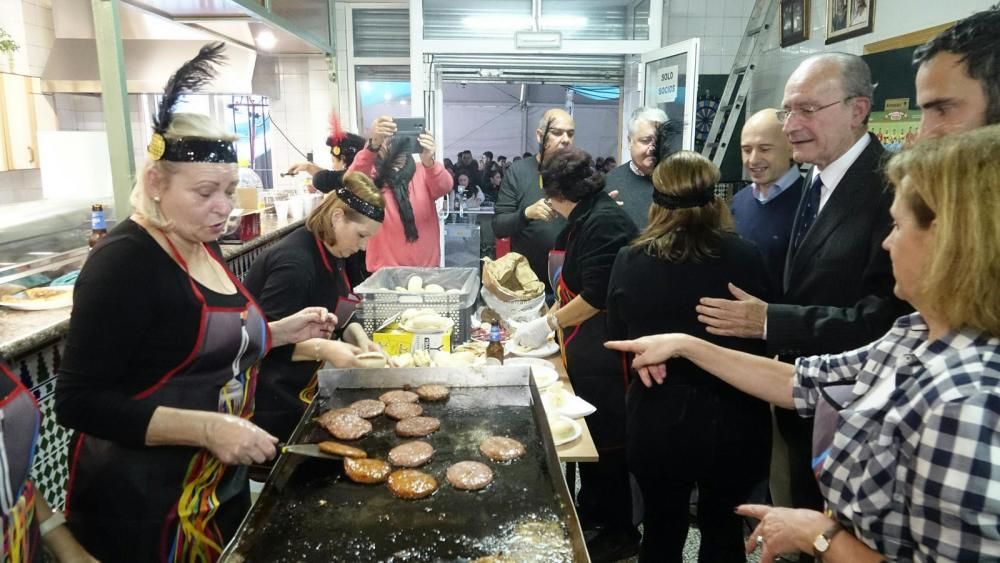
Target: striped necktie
808, 212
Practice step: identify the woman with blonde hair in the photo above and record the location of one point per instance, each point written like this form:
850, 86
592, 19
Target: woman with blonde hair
317, 264
907, 428
697, 431
160, 366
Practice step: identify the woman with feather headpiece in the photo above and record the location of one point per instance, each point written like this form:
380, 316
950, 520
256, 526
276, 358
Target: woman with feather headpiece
160, 367
343, 148
410, 234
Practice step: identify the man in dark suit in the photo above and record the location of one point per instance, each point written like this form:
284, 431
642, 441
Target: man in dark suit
838, 280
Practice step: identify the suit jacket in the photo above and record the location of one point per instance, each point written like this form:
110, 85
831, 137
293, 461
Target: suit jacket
838, 285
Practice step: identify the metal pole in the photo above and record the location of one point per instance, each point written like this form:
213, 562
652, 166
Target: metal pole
114, 100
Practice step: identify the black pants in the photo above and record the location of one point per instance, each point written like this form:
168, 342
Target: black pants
605, 498
665, 521
797, 433
596, 374
682, 436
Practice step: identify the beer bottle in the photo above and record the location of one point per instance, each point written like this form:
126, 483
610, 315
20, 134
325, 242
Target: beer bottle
494, 351
98, 227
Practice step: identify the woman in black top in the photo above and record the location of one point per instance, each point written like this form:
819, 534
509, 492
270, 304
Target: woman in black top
694, 430
318, 264
159, 370
597, 228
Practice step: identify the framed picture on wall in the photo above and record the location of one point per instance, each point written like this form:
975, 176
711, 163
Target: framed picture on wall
794, 19
848, 18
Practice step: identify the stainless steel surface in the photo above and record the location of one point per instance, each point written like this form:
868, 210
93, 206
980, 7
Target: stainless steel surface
311, 450
49, 265
308, 511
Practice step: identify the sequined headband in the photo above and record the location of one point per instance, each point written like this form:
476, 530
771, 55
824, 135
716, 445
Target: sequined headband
361, 206
699, 198
191, 149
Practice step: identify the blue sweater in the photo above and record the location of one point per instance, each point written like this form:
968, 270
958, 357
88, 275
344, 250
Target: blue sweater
769, 226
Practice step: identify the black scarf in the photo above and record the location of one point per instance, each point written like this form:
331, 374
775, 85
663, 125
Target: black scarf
399, 182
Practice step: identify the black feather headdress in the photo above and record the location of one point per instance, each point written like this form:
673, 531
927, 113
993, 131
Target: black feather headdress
189, 79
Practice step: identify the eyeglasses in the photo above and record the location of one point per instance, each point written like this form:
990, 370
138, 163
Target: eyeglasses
807, 112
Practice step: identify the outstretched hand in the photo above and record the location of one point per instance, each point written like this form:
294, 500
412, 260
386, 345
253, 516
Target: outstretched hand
782, 530
742, 318
651, 354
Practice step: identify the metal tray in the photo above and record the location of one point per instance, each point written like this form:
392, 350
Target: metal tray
308, 510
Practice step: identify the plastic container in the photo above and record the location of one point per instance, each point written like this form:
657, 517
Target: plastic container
380, 301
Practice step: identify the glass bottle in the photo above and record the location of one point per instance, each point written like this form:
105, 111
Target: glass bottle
98, 226
494, 350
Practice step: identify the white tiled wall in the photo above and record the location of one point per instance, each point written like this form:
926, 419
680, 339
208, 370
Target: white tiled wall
719, 23
892, 18
20, 185
302, 112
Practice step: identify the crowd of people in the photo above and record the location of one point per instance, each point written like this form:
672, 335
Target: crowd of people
858, 300
478, 181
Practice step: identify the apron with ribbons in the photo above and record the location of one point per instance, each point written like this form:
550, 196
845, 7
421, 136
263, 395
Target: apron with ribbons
20, 420
178, 503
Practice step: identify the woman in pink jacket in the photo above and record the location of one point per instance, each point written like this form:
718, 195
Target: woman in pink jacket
410, 234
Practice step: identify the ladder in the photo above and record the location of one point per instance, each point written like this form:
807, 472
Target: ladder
735, 94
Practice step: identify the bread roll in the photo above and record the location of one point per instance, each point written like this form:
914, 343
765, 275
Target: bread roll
370, 360
415, 283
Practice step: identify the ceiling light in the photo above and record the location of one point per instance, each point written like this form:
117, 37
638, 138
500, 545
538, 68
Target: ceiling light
266, 40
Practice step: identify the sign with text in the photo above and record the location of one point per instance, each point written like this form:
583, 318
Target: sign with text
666, 85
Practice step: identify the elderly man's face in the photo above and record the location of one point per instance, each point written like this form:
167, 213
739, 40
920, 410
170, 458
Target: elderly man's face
642, 146
951, 101
824, 121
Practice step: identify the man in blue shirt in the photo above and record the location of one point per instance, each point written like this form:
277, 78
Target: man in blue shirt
764, 210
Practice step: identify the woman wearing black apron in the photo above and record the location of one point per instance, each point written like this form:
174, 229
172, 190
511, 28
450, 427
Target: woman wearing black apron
159, 372
28, 521
597, 229
318, 264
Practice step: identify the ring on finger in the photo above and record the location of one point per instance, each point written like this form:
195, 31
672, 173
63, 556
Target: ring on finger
760, 540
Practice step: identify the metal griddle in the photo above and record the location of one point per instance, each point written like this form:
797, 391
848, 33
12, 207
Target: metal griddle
309, 511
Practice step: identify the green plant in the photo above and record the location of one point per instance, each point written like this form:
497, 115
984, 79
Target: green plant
7, 43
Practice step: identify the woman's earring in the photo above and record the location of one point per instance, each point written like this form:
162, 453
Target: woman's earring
156, 199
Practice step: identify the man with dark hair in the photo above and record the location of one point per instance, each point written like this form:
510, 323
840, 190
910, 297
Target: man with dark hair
521, 212
526, 155
958, 76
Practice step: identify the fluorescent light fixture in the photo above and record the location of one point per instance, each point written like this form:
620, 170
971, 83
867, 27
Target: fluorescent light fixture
497, 21
266, 40
563, 21
386, 95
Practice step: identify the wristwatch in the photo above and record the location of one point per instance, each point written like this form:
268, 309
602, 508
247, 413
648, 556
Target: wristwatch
372, 147
822, 542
